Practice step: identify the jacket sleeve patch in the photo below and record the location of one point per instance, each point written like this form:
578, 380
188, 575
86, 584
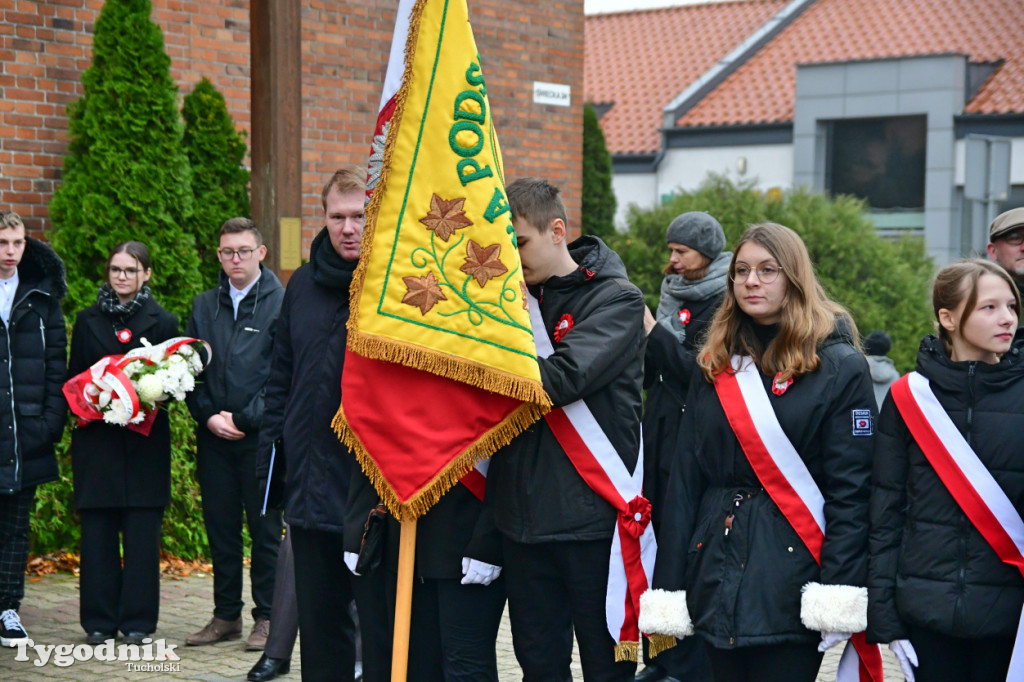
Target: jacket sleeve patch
862, 422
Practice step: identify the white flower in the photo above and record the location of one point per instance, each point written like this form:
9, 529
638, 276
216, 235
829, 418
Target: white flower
151, 390
116, 414
188, 383
104, 399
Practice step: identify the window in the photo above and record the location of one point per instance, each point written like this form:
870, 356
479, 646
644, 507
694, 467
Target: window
881, 160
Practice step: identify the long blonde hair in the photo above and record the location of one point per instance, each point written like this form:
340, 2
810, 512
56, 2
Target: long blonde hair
808, 316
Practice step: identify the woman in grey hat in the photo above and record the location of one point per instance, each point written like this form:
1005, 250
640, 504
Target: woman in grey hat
695, 281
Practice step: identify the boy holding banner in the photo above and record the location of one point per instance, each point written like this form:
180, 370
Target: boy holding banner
556, 521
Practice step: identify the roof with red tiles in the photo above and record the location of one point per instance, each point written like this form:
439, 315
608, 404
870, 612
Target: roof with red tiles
640, 61
763, 89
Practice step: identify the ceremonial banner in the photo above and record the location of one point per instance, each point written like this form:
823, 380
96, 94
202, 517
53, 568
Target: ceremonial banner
441, 368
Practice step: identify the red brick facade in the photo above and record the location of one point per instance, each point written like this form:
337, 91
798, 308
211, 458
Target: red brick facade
46, 44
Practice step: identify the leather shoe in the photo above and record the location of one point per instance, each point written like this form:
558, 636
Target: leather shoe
99, 637
652, 672
268, 668
134, 637
217, 630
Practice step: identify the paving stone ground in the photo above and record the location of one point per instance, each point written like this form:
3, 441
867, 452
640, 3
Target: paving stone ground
50, 614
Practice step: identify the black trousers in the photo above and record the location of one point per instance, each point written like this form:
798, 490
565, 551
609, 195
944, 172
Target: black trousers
768, 663
687, 660
227, 480
284, 626
113, 597
943, 658
323, 589
453, 629
14, 522
555, 588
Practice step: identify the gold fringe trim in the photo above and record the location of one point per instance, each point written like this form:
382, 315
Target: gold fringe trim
370, 225
659, 643
497, 437
626, 651
450, 367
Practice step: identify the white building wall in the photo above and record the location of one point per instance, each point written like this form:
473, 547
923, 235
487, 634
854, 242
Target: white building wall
640, 189
685, 168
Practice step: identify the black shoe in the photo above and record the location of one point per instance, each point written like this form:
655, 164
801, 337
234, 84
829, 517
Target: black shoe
134, 637
268, 668
652, 672
99, 637
11, 630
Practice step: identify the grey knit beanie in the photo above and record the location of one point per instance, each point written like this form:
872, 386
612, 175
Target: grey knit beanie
699, 231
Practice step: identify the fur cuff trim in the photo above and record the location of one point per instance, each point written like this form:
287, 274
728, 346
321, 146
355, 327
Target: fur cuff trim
834, 608
663, 612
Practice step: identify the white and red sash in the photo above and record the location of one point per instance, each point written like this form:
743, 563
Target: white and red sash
787, 481
967, 480
633, 549
475, 479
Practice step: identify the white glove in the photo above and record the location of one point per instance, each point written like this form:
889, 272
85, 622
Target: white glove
906, 655
830, 639
350, 560
478, 573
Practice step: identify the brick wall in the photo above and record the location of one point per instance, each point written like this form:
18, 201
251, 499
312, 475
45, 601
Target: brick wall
46, 44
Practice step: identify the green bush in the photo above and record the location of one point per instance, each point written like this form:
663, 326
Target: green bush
126, 175
220, 181
598, 198
884, 284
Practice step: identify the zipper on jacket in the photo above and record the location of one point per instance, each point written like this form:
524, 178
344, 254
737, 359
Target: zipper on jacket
14, 413
970, 400
42, 333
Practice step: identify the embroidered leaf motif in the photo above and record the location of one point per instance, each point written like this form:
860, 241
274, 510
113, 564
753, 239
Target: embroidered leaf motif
446, 216
482, 262
423, 292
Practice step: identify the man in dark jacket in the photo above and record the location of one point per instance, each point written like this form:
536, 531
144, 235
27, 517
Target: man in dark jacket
238, 318
32, 409
302, 397
556, 531
1006, 246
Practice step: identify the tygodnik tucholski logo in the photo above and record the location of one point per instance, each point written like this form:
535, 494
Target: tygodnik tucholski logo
151, 656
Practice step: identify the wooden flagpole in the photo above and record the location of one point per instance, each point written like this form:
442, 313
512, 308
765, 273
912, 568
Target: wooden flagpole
403, 602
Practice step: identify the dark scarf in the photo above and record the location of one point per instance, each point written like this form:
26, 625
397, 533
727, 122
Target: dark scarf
328, 268
121, 312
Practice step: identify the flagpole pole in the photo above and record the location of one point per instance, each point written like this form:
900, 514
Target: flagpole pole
403, 602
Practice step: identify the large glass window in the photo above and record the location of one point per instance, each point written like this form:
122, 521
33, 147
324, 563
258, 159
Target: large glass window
880, 160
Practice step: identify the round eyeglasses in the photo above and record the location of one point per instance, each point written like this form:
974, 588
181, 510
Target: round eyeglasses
766, 273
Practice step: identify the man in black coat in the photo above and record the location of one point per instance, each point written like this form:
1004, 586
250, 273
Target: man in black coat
32, 409
302, 397
238, 319
556, 531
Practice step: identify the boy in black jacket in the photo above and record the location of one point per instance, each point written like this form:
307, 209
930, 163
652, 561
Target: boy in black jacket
556, 531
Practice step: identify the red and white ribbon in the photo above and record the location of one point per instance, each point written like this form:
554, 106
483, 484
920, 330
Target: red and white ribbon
787, 481
475, 479
633, 547
968, 481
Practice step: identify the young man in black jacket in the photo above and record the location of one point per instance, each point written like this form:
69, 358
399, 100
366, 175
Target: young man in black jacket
33, 353
238, 318
556, 531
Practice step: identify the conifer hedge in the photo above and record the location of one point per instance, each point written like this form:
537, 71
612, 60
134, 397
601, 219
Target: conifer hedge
885, 284
598, 198
220, 181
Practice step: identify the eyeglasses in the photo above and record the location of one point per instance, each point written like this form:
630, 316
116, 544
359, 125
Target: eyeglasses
766, 273
1015, 238
116, 272
229, 254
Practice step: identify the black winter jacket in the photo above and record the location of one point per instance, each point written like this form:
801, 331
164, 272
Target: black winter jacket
33, 352
930, 567
668, 367
536, 493
237, 375
744, 588
113, 466
303, 394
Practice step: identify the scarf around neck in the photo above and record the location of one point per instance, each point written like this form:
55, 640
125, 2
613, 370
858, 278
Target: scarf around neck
677, 291
111, 306
327, 268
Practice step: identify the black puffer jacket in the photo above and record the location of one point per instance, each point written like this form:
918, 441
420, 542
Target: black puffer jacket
302, 396
236, 376
33, 352
930, 567
536, 493
744, 588
668, 366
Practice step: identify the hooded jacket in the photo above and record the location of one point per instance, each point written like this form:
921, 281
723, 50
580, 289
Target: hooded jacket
33, 352
235, 378
536, 493
929, 565
743, 588
883, 373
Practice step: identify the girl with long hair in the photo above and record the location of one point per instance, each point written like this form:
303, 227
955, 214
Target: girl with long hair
781, 403
940, 588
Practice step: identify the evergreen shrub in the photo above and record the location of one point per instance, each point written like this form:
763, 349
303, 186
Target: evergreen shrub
598, 200
885, 284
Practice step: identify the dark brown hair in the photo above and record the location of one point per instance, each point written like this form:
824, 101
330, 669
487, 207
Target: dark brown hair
958, 283
136, 250
237, 225
535, 201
